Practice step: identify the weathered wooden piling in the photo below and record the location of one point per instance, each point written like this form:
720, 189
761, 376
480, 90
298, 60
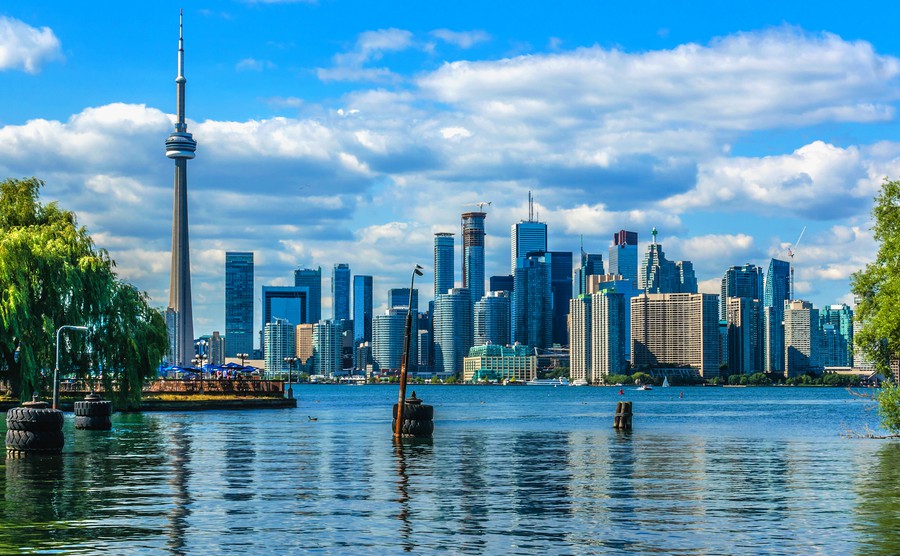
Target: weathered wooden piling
622, 420
417, 418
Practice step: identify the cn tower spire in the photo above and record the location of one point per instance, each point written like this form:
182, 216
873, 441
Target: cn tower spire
180, 146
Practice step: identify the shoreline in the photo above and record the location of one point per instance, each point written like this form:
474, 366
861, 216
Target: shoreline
152, 405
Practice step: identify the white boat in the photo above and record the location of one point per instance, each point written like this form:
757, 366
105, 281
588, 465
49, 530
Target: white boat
645, 387
665, 383
579, 382
561, 381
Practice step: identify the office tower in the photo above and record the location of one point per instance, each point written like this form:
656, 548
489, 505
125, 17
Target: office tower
311, 279
532, 305
424, 348
387, 339
560, 263
623, 256
340, 292
217, 349
180, 146
399, 298
304, 343
580, 338
473, 253
527, 237
362, 309
492, 319
744, 323
776, 290
453, 331
280, 338
840, 317
687, 280
609, 322
802, 339
503, 283
860, 361
615, 283
327, 348
671, 330
660, 275
443, 262
238, 303
740, 281
284, 302
591, 265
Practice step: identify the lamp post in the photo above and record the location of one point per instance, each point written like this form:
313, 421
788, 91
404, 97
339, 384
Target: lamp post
243, 356
404, 361
56, 369
290, 361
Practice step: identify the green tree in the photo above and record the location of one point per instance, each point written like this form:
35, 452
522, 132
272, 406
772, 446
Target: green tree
889, 406
52, 274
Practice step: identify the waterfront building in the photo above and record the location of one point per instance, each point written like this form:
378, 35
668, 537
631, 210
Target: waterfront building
284, 302
591, 265
304, 344
327, 348
311, 279
280, 338
362, 309
496, 363
362, 357
802, 339
860, 361
740, 281
580, 367
238, 303
840, 317
675, 330
453, 330
660, 275
503, 283
340, 292
744, 335
443, 262
776, 291
492, 319
180, 146
473, 253
609, 334
560, 265
532, 305
623, 256
387, 339
620, 285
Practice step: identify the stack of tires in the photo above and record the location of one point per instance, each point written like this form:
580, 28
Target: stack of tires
33, 428
418, 418
93, 413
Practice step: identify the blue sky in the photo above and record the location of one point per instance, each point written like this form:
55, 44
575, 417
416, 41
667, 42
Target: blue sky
339, 131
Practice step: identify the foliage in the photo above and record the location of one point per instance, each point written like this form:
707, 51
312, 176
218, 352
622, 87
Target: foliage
553, 372
450, 380
51, 274
641, 378
889, 406
617, 379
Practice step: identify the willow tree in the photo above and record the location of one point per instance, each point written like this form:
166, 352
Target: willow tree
52, 274
877, 288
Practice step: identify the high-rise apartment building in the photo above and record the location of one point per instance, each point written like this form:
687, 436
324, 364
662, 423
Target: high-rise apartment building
362, 309
304, 344
533, 302
340, 292
840, 318
443, 262
453, 330
400, 298
580, 367
387, 339
615, 283
675, 330
311, 279
623, 256
492, 319
284, 302
609, 334
744, 321
740, 281
327, 346
776, 291
280, 338
802, 339
527, 237
473, 253
238, 303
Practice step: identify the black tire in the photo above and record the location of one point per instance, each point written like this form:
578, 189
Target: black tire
93, 423
93, 409
414, 428
416, 412
29, 441
33, 419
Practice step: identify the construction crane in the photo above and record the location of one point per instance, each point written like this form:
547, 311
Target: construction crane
790, 251
479, 205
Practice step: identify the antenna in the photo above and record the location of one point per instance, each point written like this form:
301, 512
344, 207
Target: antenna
530, 207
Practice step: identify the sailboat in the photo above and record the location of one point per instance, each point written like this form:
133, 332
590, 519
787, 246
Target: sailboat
665, 383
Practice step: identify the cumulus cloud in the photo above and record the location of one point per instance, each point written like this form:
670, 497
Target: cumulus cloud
462, 39
370, 46
25, 47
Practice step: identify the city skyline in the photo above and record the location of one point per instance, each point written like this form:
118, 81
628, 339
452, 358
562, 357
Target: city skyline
357, 142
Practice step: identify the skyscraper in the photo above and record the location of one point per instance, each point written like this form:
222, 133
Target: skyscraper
533, 302
840, 318
580, 338
311, 279
387, 338
443, 262
280, 342
340, 292
180, 146
326, 348
744, 321
527, 236
776, 290
657, 274
492, 319
802, 339
560, 263
591, 265
623, 256
362, 308
399, 298
615, 283
609, 334
473, 253
740, 281
238, 303
284, 302
453, 333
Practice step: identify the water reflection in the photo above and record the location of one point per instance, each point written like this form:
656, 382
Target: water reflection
877, 514
179, 480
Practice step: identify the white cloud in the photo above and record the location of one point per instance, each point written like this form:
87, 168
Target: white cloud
370, 46
462, 39
252, 64
25, 47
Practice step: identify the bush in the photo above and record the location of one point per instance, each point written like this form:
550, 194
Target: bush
889, 406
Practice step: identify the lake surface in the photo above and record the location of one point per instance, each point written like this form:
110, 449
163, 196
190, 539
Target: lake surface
510, 470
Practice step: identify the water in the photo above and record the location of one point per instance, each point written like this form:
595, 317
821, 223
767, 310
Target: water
511, 470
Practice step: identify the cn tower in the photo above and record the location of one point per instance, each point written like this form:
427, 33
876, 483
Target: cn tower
180, 146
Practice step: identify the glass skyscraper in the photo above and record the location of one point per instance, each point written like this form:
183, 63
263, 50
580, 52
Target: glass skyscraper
623, 255
473, 253
532, 305
340, 292
238, 303
591, 265
740, 281
776, 290
311, 279
453, 330
362, 309
526, 237
398, 298
560, 263
443, 262
492, 319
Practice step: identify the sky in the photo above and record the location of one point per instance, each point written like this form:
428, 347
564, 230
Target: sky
350, 132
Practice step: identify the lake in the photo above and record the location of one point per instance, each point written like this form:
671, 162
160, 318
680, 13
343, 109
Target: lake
510, 470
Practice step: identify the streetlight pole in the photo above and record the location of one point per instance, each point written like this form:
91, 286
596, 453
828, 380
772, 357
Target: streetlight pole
404, 361
56, 369
243, 356
290, 361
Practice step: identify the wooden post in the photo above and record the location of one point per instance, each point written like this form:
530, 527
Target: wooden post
622, 420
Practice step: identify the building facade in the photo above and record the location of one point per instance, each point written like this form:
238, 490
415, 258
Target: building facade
580, 367
311, 279
327, 347
527, 237
443, 262
776, 291
238, 303
840, 352
560, 263
609, 334
740, 281
802, 339
453, 330
744, 321
591, 265
623, 256
533, 302
280, 338
473, 253
362, 309
304, 344
492, 319
497, 363
387, 339
340, 292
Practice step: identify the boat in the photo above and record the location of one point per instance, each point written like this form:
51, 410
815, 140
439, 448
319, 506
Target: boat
665, 383
579, 382
561, 381
645, 387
